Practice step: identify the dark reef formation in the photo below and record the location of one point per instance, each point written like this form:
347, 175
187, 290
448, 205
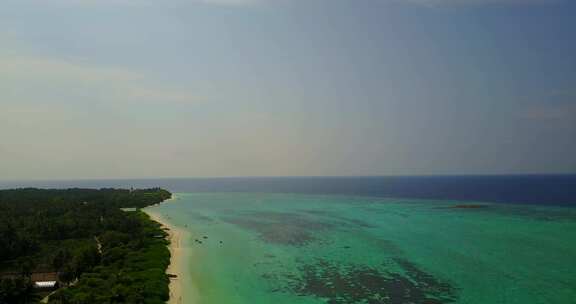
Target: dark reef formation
280, 228
347, 284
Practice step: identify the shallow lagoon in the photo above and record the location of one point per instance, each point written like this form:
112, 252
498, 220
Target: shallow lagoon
293, 248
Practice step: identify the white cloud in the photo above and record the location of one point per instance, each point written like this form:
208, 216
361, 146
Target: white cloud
25, 67
32, 79
233, 2
417, 2
159, 94
143, 2
56, 115
551, 112
245, 3
477, 2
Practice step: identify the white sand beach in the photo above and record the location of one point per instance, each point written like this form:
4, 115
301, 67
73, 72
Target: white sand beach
178, 254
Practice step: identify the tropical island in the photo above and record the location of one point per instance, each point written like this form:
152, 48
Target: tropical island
82, 246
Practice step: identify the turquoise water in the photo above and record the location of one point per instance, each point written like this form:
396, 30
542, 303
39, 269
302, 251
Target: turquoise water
290, 248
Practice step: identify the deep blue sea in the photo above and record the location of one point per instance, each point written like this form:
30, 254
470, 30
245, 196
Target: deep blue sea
557, 190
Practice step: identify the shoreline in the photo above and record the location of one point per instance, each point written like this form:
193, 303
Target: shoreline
178, 254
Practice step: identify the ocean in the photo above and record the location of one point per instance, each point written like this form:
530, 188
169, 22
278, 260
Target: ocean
559, 190
468, 239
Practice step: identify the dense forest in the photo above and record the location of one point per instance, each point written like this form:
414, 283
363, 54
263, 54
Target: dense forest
100, 253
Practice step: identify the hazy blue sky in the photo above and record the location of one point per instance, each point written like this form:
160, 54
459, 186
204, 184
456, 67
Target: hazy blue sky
143, 88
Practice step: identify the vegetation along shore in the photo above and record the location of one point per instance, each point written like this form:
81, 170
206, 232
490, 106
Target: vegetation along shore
82, 246
178, 256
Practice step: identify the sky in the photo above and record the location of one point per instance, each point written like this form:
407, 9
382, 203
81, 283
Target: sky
202, 88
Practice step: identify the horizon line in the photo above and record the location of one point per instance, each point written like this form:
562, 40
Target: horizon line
286, 176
